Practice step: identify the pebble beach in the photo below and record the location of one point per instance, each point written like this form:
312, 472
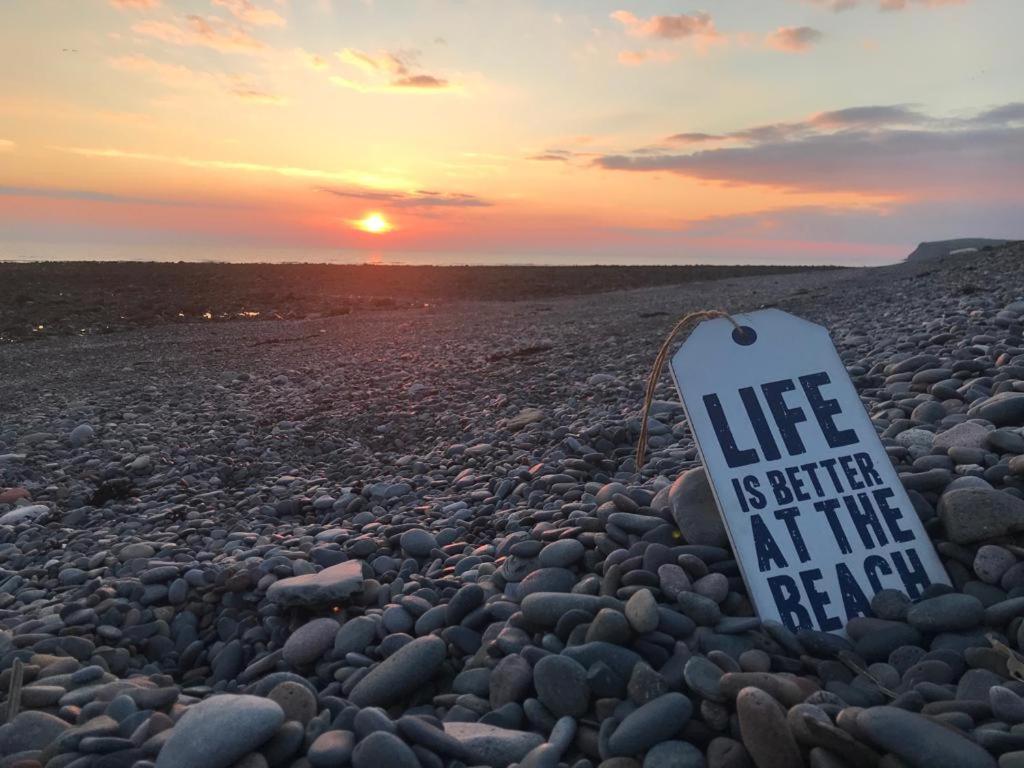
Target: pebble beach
414, 535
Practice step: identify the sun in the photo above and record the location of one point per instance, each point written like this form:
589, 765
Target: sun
375, 223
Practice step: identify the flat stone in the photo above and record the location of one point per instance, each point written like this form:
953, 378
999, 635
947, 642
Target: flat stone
642, 611
30, 730
1004, 410
920, 742
946, 613
380, 749
23, 514
492, 746
310, 641
977, 514
220, 730
561, 685
654, 722
694, 509
401, 673
331, 585
766, 734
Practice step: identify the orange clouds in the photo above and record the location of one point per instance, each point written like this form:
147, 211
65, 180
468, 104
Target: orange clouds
178, 76
250, 13
668, 27
198, 32
135, 4
793, 39
6, 145
386, 71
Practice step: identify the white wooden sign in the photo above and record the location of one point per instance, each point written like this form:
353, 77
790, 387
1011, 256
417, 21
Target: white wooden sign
815, 512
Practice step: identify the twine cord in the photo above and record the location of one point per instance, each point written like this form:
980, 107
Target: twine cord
659, 362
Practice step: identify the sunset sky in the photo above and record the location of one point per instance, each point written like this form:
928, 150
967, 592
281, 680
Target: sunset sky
840, 131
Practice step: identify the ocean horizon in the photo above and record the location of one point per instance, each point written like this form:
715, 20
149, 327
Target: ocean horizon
17, 252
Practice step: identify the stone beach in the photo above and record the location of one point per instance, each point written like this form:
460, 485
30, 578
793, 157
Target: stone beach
416, 537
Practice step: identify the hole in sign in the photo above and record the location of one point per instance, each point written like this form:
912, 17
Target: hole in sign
744, 335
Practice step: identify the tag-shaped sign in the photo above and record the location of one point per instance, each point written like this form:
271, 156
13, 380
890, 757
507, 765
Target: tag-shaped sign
815, 512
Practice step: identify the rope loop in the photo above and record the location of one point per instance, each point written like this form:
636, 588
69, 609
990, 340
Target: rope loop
691, 319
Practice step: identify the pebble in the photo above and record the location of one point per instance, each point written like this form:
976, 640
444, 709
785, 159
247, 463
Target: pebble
400, 674
918, 741
410, 548
765, 732
220, 730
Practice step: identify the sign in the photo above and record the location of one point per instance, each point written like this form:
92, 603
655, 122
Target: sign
815, 512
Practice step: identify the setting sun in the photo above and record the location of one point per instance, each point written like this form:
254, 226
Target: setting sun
374, 223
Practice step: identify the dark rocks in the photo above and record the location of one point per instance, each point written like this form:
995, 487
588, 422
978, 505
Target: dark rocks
310, 641
218, 731
1005, 409
400, 674
695, 511
976, 514
380, 749
490, 745
766, 734
918, 741
330, 586
946, 613
561, 685
650, 724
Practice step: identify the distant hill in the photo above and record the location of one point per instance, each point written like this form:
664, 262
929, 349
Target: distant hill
941, 248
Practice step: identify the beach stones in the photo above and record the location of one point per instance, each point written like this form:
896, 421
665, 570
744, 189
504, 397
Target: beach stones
218, 731
946, 613
30, 731
694, 509
418, 542
654, 722
976, 514
310, 641
400, 674
491, 745
383, 749
561, 685
918, 741
331, 585
766, 734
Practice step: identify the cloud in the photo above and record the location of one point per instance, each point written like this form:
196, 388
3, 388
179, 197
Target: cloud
181, 77
636, 58
6, 145
552, 155
867, 118
314, 60
419, 81
89, 195
387, 71
884, 5
297, 172
249, 13
861, 117
421, 198
134, 4
793, 39
198, 32
865, 149
676, 27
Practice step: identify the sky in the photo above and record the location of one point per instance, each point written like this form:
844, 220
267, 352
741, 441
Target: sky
737, 131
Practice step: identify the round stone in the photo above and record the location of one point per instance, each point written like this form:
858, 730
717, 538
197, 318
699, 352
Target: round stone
417, 542
561, 685
642, 611
401, 673
694, 509
220, 730
309, 642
